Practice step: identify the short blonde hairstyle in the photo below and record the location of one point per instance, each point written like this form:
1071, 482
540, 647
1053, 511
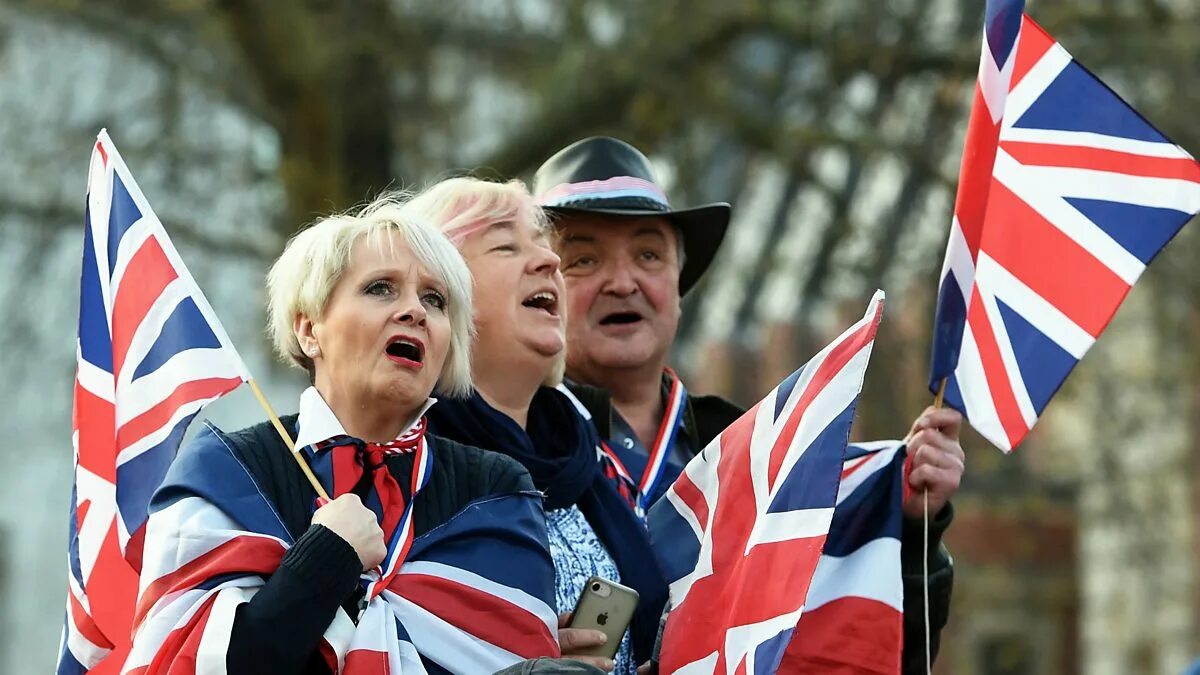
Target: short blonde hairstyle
302, 279
463, 206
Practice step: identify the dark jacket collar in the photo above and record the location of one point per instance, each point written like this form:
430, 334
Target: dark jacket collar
703, 416
558, 446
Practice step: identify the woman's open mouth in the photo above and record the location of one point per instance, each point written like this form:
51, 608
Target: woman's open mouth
544, 301
406, 351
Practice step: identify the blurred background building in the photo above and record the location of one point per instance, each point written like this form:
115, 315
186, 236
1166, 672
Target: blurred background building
835, 128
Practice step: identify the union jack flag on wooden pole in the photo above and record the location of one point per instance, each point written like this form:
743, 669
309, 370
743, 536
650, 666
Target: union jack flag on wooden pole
151, 354
1065, 195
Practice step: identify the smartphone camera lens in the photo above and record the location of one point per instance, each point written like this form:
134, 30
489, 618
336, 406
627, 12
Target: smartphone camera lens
595, 586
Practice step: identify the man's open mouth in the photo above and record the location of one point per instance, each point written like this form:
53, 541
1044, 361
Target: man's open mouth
620, 318
410, 349
547, 301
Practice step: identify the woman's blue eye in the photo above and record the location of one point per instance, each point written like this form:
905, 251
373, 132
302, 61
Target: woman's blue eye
434, 299
378, 288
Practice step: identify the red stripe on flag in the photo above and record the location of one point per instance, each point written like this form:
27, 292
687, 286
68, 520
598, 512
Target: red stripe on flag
81, 511
855, 465
1049, 262
490, 618
241, 555
975, 176
134, 548
847, 636
328, 655
998, 380
1097, 159
691, 495
85, 624
1031, 47
103, 154
153, 419
833, 364
366, 662
112, 591
94, 420
180, 649
147, 274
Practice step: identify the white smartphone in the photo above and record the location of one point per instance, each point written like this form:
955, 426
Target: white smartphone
608, 607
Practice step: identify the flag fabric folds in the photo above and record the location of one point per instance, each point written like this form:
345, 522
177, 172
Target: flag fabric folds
740, 532
150, 355
853, 620
473, 595
1065, 195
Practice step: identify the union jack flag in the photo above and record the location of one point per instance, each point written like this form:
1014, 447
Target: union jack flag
150, 355
740, 532
853, 620
213, 538
1064, 197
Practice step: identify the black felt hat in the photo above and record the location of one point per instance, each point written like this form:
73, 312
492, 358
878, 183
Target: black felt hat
608, 176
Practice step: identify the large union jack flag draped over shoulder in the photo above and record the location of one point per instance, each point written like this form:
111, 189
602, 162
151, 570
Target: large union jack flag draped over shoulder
740, 532
853, 618
1065, 195
150, 355
473, 595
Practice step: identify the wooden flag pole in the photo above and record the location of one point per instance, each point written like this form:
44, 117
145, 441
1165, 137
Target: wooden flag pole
287, 440
938, 400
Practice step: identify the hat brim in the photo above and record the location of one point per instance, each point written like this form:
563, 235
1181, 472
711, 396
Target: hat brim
703, 228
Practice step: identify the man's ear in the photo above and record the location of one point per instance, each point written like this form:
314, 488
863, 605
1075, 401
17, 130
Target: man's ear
306, 335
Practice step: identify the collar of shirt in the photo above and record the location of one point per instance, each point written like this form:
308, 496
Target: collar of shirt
595, 404
621, 433
317, 423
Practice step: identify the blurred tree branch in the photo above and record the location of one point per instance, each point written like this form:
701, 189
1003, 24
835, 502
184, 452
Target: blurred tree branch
44, 217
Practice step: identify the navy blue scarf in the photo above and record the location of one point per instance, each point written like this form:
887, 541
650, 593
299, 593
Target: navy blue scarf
559, 451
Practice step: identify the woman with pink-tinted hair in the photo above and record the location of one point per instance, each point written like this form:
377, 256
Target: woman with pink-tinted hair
515, 409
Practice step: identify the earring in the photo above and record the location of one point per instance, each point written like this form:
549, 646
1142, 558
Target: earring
312, 351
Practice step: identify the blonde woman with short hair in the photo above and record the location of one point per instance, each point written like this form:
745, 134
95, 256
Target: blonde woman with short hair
375, 305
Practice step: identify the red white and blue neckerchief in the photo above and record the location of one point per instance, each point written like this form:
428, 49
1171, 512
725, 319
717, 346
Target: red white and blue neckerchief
345, 464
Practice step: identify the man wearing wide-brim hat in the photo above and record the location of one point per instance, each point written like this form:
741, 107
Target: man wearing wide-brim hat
628, 257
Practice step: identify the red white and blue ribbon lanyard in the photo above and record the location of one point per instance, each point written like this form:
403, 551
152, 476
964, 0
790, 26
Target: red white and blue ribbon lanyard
668, 429
656, 462
615, 470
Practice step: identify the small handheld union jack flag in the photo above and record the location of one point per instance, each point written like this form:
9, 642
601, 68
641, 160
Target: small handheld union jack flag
151, 354
1065, 196
740, 532
853, 619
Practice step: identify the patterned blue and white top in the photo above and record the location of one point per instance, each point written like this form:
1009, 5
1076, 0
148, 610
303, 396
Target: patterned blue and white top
578, 556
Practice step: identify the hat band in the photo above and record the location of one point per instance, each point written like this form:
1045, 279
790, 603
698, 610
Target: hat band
617, 187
